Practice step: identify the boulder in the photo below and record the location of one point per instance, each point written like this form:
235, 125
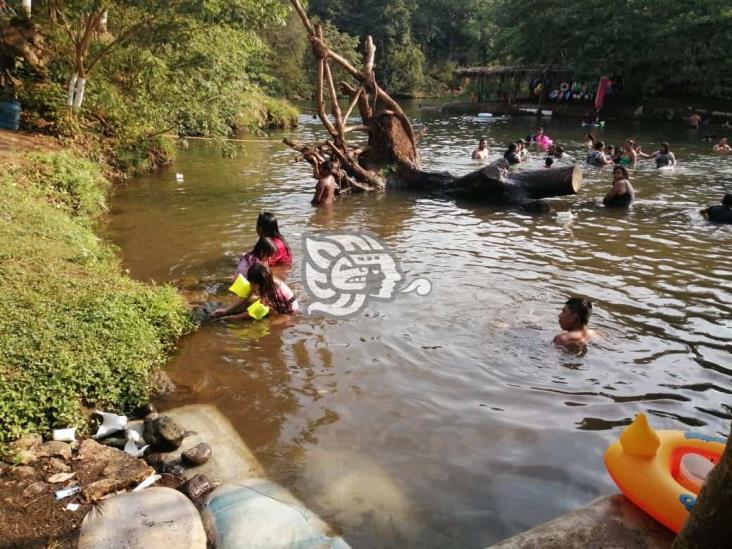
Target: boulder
260, 514
58, 465
162, 384
231, 460
197, 455
115, 469
26, 442
196, 487
611, 521
155, 517
163, 432
54, 448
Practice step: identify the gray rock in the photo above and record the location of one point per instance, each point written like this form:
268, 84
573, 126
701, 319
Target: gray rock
35, 489
58, 466
114, 441
198, 455
145, 410
611, 521
231, 460
157, 460
196, 487
21, 472
54, 448
26, 442
162, 384
175, 469
163, 433
151, 518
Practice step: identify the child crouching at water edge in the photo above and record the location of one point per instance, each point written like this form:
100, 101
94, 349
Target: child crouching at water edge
269, 295
263, 252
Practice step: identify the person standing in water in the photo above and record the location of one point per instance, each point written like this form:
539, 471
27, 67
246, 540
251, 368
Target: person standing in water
663, 156
628, 157
481, 153
325, 188
596, 157
695, 120
573, 320
621, 194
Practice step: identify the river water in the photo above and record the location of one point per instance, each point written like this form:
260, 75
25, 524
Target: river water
451, 420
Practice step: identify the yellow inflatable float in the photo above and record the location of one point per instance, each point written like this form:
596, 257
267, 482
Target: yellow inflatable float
662, 471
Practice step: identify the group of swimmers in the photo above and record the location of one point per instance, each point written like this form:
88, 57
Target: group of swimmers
269, 294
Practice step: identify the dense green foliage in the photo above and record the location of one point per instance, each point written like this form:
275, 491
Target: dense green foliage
74, 331
669, 46
186, 67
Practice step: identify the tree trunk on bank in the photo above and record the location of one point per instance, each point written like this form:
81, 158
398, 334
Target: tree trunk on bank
710, 521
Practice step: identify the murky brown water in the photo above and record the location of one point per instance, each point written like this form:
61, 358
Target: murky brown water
451, 420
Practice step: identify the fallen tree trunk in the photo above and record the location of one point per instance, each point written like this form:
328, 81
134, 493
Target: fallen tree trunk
392, 140
495, 185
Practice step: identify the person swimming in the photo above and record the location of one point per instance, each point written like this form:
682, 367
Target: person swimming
573, 320
511, 155
269, 294
720, 214
548, 162
722, 146
481, 153
589, 141
621, 194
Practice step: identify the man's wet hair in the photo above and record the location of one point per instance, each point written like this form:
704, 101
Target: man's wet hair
326, 167
582, 307
727, 200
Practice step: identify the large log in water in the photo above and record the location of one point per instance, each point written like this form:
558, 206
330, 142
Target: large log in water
492, 185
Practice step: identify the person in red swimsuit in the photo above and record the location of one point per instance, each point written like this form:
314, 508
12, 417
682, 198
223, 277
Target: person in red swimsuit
267, 227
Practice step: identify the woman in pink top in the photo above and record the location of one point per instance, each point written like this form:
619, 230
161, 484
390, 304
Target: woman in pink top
267, 227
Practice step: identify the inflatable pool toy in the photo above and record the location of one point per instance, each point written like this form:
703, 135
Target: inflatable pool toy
258, 310
543, 141
241, 287
662, 471
485, 115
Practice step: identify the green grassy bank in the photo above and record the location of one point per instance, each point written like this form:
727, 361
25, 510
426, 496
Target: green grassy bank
75, 332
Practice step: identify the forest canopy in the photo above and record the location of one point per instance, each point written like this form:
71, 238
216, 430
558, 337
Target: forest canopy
669, 46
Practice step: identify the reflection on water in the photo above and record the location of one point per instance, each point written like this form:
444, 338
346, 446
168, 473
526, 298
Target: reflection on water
451, 420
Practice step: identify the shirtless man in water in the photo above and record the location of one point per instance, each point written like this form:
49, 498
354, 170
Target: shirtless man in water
326, 186
573, 320
481, 153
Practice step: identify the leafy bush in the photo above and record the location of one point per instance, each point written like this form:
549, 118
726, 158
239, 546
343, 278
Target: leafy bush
74, 331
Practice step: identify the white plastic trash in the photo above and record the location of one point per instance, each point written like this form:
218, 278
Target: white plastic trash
694, 469
65, 435
564, 217
485, 115
133, 437
111, 423
179, 177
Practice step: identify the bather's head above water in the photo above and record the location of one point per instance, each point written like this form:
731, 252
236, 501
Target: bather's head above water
576, 314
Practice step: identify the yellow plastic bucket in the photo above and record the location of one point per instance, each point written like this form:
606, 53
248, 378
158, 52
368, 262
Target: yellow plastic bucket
258, 310
241, 287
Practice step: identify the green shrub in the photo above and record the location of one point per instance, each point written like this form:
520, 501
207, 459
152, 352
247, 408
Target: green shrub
74, 331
